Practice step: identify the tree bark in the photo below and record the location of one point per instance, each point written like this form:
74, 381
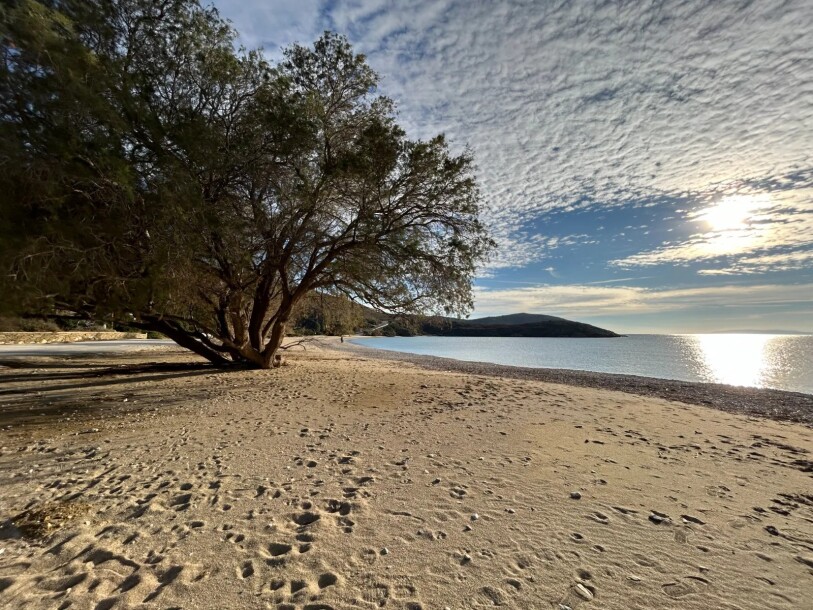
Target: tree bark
274, 341
185, 340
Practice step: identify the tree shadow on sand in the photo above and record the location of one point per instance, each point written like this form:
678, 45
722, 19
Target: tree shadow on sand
38, 371
34, 393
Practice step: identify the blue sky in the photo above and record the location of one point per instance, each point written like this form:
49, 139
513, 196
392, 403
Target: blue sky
645, 166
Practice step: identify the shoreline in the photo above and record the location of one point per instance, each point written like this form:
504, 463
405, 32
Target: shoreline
780, 405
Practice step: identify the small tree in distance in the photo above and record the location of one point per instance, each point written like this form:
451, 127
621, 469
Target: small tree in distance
153, 175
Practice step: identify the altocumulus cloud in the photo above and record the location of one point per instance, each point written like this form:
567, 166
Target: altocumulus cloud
596, 301
775, 237
573, 105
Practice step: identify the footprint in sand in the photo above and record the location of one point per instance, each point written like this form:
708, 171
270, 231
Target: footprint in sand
691, 519
677, 589
246, 570
56, 584
457, 492
647, 562
337, 506
306, 518
492, 596
277, 549
599, 517
327, 580
181, 502
376, 593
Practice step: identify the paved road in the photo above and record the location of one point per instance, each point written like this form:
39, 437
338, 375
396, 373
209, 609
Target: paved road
82, 347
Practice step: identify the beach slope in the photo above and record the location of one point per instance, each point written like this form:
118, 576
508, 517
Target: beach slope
344, 481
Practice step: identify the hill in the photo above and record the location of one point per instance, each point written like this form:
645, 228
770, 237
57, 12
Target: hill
512, 325
516, 318
337, 315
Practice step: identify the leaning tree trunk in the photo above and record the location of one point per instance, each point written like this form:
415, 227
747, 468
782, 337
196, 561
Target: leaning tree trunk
274, 342
185, 340
253, 354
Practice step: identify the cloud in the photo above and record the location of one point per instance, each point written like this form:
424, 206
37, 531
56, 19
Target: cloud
571, 105
567, 103
273, 24
593, 300
783, 261
774, 235
522, 248
615, 281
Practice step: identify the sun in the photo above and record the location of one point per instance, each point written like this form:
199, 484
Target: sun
733, 212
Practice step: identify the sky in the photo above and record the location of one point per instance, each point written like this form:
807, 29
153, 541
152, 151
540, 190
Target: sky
644, 166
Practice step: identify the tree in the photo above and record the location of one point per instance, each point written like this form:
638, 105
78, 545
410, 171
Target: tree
154, 175
320, 313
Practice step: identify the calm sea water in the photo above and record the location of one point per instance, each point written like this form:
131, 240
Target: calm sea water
783, 362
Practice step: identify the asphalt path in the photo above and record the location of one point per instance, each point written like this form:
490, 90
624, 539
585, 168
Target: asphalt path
82, 347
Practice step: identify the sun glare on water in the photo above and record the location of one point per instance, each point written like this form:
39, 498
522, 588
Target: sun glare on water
745, 360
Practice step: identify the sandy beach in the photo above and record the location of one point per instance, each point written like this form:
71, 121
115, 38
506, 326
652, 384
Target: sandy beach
347, 479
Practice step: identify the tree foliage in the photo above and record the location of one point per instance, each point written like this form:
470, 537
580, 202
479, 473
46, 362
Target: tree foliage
323, 314
151, 173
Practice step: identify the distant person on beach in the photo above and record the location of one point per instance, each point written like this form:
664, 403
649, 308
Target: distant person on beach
341, 338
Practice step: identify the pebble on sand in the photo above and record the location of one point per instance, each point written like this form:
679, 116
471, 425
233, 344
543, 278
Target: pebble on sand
658, 518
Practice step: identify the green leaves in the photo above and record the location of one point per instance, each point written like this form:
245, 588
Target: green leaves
151, 172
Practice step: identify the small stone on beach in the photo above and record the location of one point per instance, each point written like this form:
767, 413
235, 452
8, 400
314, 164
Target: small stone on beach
658, 518
583, 592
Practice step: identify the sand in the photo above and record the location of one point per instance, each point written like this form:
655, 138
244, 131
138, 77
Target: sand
344, 481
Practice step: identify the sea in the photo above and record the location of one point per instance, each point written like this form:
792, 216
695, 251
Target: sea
781, 362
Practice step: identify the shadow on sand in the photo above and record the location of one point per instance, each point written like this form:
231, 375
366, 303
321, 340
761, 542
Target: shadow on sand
37, 392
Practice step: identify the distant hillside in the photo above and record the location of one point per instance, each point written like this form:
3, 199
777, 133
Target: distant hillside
516, 318
514, 325
372, 321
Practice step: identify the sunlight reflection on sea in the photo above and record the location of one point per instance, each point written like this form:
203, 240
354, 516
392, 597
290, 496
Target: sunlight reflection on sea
783, 362
739, 359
